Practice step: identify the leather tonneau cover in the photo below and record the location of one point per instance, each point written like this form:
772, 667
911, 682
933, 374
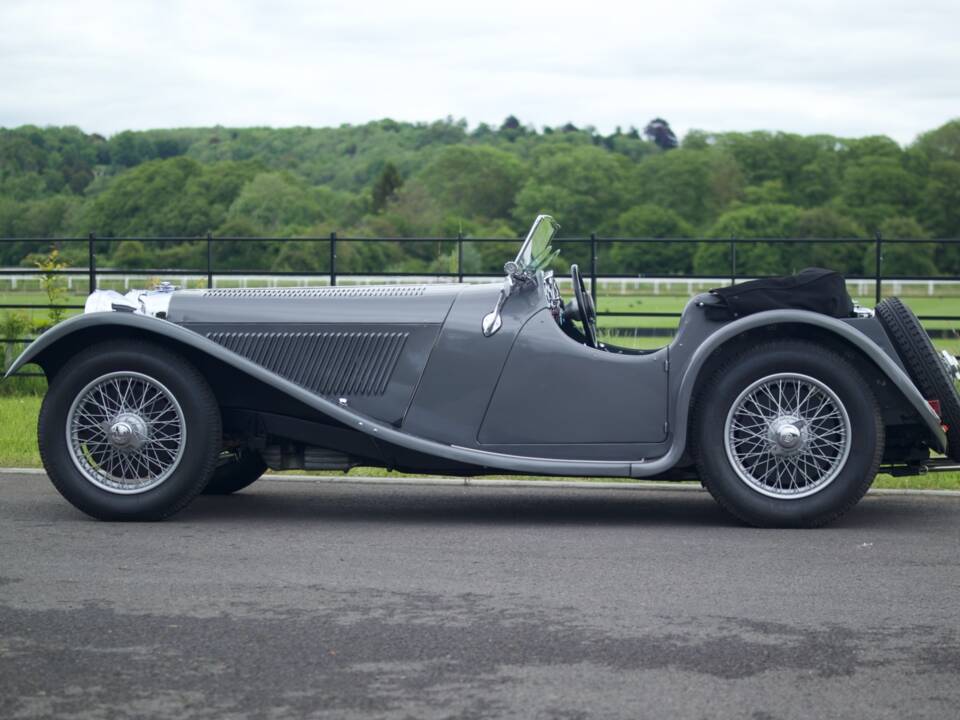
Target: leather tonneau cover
815, 289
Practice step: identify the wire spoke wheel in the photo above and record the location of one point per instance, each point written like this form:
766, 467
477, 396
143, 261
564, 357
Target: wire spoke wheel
126, 432
787, 436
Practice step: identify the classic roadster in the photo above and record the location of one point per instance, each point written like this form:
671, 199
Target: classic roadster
782, 397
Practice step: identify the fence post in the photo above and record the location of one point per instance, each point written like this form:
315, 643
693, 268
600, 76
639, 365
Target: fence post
92, 261
460, 256
209, 260
733, 260
877, 279
593, 266
333, 258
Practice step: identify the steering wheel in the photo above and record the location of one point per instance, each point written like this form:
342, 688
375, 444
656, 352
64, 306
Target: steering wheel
585, 307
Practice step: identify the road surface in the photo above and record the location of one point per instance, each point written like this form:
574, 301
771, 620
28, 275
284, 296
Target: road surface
299, 599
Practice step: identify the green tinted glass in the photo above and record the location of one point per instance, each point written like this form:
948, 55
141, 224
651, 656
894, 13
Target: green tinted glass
537, 251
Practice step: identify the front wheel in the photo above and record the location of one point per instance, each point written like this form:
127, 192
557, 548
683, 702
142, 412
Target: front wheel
129, 431
787, 434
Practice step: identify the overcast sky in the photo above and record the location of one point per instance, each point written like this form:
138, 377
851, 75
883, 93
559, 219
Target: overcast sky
846, 67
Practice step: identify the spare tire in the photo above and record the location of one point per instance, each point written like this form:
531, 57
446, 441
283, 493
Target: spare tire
924, 365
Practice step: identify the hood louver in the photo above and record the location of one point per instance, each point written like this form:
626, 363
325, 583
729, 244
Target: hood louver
328, 363
319, 292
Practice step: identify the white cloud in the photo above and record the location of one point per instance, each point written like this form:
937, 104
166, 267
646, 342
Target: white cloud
842, 67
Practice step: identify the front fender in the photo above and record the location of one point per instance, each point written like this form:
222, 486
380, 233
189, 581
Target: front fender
40, 347
150, 326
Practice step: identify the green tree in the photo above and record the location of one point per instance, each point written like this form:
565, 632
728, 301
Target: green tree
651, 221
43, 217
827, 223
474, 181
941, 211
584, 187
877, 187
696, 184
174, 198
766, 193
818, 181
386, 184
185, 182
799, 165
489, 257
940, 144
511, 128
36, 162
129, 148
755, 221
276, 202
414, 212
941, 199
130, 254
53, 284
301, 256
914, 258
871, 147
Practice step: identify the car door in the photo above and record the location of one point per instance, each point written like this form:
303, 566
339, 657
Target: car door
555, 391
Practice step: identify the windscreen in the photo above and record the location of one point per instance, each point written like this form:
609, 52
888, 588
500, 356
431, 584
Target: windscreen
537, 250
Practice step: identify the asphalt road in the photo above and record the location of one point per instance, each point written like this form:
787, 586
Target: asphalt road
296, 599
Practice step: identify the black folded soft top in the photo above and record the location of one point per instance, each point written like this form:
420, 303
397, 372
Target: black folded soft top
815, 289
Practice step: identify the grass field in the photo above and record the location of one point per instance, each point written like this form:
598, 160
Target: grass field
18, 448
18, 431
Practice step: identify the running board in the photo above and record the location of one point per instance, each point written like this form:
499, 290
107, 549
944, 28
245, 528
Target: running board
922, 468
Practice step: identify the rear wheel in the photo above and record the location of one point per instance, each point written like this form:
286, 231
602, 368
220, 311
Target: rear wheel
236, 472
129, 431
787, 434
926, 368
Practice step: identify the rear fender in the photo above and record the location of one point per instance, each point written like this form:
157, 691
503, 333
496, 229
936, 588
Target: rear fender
697, 367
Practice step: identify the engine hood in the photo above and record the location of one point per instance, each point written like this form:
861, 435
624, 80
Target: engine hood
376, 304
348, 304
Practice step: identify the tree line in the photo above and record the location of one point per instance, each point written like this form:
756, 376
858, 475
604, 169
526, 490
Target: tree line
441, 179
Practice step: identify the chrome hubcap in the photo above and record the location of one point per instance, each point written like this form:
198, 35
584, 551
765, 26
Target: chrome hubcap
787, 436
129, 431
125, 432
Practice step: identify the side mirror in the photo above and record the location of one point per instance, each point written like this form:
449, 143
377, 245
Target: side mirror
491, 322
515, 279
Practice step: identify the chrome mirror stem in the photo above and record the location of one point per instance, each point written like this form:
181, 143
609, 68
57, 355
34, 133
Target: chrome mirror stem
492, 320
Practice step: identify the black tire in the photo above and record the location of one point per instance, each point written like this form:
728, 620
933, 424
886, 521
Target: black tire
923, 365
199, 447
853, 475
236, 473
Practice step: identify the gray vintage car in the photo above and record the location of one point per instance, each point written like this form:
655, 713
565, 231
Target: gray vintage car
784, 413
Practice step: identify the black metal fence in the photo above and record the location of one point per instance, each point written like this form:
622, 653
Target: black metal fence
333, 274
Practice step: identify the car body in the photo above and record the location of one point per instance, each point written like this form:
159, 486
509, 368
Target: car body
459, 379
